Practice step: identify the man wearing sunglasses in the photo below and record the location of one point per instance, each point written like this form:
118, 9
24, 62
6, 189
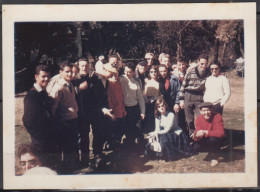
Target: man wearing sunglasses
217, 89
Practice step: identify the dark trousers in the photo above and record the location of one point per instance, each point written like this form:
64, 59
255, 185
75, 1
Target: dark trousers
182, 122
149, 121
68, 142
84, 129
191, 102
209, 144
100, 129
117, 130
132, 117
217, 108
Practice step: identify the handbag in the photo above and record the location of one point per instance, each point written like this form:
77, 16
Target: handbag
154, 143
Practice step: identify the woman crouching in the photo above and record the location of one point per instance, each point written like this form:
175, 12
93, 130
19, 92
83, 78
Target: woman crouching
173, 141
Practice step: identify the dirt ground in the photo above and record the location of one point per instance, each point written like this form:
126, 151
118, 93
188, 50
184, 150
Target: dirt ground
232, 158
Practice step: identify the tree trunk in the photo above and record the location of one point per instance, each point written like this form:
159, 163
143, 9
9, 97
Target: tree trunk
223, 55
215, 56
79, 42
240, 44
179, 51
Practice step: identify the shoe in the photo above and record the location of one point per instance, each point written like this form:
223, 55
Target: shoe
214, 162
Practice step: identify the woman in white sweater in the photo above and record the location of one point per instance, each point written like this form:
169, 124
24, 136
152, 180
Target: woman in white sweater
217, 89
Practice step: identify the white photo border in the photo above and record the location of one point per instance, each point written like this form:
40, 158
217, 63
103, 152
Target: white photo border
130, 12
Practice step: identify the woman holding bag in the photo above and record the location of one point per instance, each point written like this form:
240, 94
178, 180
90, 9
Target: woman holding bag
172, 139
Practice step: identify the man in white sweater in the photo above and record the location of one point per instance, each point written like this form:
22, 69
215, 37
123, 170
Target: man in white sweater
134, 102
217, 89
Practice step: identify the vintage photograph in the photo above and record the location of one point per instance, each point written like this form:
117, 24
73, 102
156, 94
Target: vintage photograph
131, 97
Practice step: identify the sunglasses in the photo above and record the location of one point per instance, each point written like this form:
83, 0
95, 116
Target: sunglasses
161, 106
30, 162
212, 69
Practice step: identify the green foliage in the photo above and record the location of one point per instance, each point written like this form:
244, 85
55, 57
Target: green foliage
70, 40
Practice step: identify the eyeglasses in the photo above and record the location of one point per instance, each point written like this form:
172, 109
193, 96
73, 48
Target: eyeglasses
161, 106
153, 71
212, 69
30, 162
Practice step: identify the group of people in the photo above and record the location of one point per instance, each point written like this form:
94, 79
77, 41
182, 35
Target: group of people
113, 99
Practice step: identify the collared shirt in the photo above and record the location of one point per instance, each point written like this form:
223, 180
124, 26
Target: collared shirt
37, 87
65, 105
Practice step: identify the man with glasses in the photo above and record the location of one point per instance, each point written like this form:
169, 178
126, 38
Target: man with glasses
217, 89
192, 90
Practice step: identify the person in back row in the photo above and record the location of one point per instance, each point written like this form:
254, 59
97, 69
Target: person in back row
217, 89
134, 103
192, 91
141, 72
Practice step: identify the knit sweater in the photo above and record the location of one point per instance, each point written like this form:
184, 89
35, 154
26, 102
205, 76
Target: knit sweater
64, 102
193, 82
214, 126
132, 92
36, 117
217, 90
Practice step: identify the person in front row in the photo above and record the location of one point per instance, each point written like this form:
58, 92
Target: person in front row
65, 110
172, 139
209, 132
33, 161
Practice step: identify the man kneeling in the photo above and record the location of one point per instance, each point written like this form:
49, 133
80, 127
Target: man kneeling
209, 132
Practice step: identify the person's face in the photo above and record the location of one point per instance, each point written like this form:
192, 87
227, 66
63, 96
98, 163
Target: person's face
149, 59
29, 161
214, 70
107, 73
206, 112
112, 60
166, 61
153, 73
161, 108
74, 72
83, 67
142, 69
42, 79
66, 74
203, 64
182, 66
129, 72
163, 72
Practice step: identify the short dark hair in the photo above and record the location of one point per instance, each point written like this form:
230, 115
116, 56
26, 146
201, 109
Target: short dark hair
215, 63
203, 56
64, 64
130, 65
82, 59
39, 68
182, 59
29, 148
162, 65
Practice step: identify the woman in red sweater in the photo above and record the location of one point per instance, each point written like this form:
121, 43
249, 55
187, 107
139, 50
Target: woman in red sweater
209, 132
